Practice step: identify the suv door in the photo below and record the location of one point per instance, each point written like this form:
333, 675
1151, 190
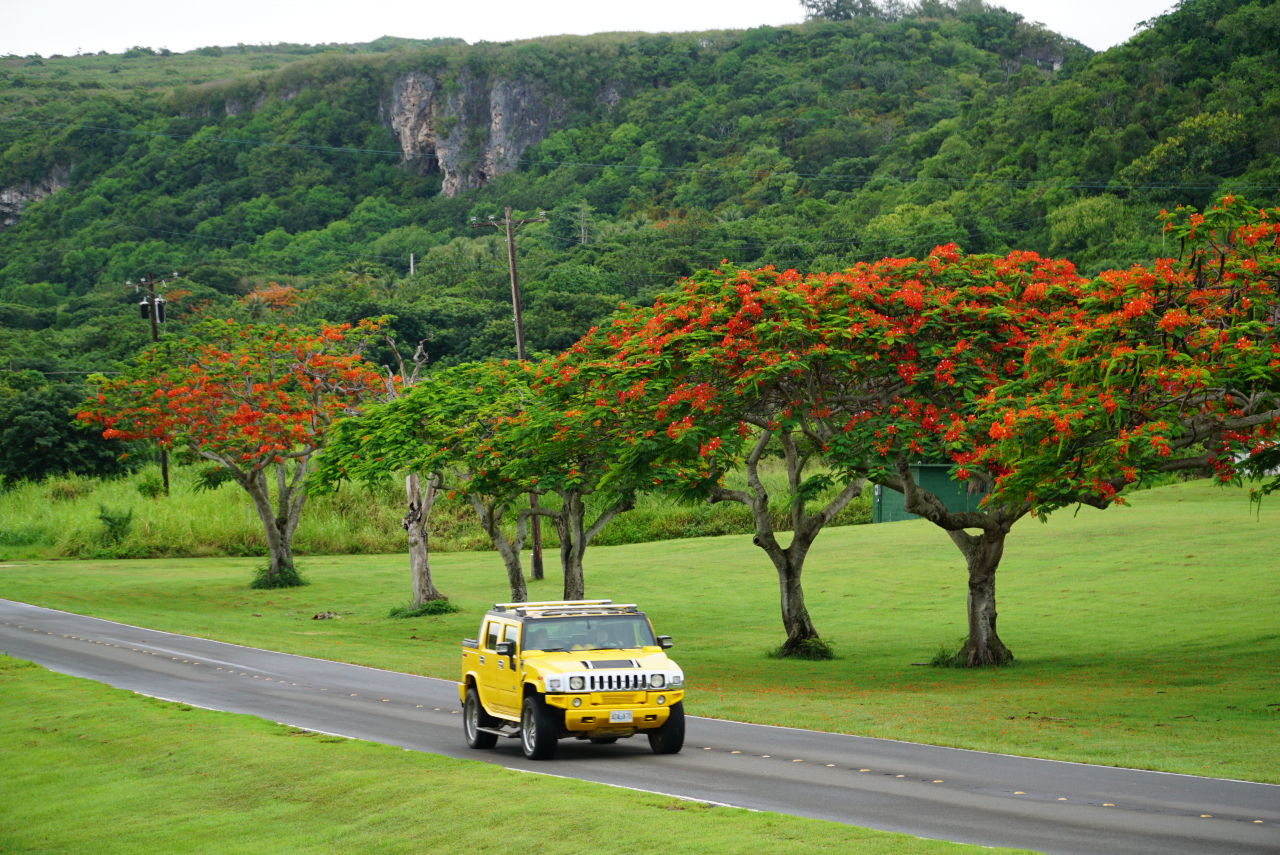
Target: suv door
487, 670
507, 677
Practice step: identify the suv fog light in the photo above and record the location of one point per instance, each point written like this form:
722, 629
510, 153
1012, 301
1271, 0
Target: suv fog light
662, 699
577, 702
658, 681
577, 684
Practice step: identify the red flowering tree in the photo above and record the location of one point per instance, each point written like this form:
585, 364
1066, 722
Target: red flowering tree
695, 388
871, 369
256, 400
446, 427
1167, 368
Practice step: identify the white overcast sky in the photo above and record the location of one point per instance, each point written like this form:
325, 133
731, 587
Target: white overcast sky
65, 26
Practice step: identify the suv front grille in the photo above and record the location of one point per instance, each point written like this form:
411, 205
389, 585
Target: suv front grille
606, 682
620, 699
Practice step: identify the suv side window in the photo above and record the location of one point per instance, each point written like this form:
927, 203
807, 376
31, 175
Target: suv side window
512, 633
491, 635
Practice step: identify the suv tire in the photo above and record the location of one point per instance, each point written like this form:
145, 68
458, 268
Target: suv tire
473, 718
669, 738
539, 732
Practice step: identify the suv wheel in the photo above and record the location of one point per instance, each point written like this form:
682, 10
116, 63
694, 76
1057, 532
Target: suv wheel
669, 738
538, 731
473, 718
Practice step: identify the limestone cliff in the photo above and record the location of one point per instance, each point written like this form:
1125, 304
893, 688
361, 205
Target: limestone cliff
14, 199
469, 131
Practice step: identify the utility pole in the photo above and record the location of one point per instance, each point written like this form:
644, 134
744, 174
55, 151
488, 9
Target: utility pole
152, 309
509, 226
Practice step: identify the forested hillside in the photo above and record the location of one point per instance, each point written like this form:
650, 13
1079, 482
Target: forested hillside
299, 180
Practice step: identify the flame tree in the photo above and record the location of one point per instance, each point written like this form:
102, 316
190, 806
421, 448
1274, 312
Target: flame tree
868, 370
1167, 368
702, 384
256, 400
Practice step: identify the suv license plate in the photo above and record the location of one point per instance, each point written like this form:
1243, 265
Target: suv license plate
620, 716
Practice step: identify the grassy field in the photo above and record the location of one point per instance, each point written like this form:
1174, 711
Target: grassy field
86, 768
59, 518
1145, 636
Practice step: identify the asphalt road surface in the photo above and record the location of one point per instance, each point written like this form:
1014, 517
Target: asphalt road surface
942, 793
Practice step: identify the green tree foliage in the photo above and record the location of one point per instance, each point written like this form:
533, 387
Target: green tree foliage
39, 436
811, 147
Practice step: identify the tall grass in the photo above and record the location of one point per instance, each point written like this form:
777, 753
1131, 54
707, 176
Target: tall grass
61, 517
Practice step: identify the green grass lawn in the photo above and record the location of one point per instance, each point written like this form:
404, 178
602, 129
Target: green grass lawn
86, 768
1145, 636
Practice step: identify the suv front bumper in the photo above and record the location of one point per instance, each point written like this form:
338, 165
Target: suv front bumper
646, 712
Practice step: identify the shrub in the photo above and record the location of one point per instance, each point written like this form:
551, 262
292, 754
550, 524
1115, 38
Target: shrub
117, 523
150, 486
427, 609
813, 649
286, 577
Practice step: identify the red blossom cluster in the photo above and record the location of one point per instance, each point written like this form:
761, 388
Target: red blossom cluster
252, 394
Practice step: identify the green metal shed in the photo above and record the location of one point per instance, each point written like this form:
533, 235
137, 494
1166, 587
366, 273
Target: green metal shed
886, 504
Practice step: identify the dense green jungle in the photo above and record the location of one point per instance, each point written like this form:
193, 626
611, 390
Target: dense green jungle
296, 182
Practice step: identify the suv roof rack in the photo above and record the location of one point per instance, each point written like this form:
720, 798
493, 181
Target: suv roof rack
501, 607
567, 607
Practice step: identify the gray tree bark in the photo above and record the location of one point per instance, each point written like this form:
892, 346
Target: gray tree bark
576, 536
420, 502
787, 561
490, 514
982, 553
280, 521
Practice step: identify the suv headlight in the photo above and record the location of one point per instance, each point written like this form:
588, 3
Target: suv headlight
677, 680
577, 684
657, 681
554, 684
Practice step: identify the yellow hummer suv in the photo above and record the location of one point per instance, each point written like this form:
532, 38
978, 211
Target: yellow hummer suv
587, 669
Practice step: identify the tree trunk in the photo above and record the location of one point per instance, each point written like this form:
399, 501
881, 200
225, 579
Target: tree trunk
278, 523
982, 553
789, 563
491, 522
576, 536
415, 524
575, 587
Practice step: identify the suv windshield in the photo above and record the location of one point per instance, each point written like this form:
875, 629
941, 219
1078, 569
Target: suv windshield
589, 633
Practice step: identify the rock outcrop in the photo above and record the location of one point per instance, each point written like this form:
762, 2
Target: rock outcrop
14, 199
472, 129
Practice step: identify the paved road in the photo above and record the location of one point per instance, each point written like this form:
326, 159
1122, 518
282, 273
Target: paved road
924, 790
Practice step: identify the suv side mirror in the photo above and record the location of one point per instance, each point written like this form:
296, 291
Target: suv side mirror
665, 642
505, 648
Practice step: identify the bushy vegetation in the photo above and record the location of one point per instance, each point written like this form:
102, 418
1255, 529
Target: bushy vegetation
807, 146
60, 517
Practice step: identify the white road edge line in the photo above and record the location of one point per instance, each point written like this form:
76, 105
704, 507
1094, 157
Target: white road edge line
633, 789
507, 768
708, 718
